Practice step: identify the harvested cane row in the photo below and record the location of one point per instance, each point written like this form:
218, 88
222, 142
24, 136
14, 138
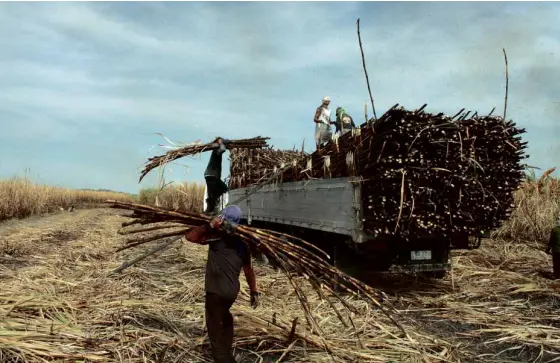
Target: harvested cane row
290, 254
423, 174
157, 161
252, 166
59, 303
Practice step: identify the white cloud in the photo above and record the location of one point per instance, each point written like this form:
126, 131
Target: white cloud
247, 69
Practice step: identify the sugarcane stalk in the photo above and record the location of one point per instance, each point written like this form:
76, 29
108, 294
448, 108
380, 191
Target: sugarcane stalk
143, 256
279, 248
137, 242
157, 161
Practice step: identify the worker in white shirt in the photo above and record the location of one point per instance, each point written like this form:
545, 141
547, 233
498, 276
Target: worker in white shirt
323, 123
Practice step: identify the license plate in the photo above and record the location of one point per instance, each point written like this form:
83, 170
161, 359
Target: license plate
420, 255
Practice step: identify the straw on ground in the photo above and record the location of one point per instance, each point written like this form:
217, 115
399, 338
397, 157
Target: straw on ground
58, 302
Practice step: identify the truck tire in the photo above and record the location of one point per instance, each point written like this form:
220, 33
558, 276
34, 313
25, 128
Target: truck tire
261, 258
434, 274
337, 262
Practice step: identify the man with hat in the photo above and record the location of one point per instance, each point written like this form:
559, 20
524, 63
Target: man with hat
554, 248
323, 123
227, 255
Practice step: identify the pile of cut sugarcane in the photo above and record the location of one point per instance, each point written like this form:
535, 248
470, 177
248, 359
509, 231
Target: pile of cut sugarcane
161, 160
422, 174
252, 166
290, 254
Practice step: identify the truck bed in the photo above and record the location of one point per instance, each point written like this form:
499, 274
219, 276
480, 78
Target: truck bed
329, 205
335, 206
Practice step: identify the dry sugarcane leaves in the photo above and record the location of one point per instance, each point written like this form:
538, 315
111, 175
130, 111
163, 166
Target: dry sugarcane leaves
295, 257
156, 161
250, 166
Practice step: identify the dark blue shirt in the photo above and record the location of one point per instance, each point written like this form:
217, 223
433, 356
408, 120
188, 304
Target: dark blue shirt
227, 255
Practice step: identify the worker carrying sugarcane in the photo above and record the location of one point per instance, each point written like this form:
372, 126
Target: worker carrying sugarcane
554, 249
227, 255
215, 186
344, 121
323, 123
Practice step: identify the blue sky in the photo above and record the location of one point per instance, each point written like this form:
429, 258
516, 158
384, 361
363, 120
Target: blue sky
84, 86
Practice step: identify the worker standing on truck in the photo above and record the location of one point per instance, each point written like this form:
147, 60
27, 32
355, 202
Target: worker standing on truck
214, 184
323, 123
227, 255
554, 248
344, 121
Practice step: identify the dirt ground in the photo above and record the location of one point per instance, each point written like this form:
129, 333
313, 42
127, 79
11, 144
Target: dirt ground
58, 302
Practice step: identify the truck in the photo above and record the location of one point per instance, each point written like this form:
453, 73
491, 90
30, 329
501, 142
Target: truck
329, 214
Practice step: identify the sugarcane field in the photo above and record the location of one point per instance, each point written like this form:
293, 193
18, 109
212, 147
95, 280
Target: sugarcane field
177, 204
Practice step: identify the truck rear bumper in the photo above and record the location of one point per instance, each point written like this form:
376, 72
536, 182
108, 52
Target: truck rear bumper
420, 267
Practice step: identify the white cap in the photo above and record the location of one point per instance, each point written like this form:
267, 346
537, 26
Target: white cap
327, 98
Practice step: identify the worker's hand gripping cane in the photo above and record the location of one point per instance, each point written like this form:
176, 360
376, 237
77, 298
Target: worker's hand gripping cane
255, 299
224, 225
216, 222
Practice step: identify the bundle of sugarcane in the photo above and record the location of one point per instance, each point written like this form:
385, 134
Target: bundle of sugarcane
426, 174
433, 176
156, 161
250, 167
495, 167
290, 254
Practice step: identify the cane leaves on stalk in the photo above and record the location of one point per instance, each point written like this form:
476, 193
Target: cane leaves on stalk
289, 253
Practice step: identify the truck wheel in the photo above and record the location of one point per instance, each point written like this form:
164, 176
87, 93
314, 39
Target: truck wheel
262, 259
337, 262
434, 274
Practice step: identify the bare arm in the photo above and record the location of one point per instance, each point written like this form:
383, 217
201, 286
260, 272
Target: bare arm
200, 234
317, 114
250, 277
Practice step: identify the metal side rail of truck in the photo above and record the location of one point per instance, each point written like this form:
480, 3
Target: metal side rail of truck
328, 213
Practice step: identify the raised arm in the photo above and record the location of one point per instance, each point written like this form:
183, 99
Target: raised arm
221, 146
